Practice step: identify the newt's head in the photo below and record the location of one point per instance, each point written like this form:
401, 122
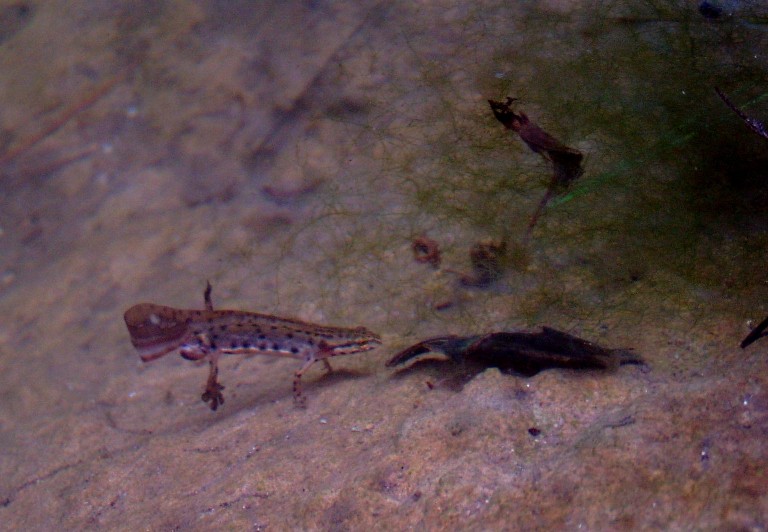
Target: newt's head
155, 330
349, 341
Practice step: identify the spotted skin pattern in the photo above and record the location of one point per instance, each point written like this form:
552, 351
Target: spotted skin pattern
157, 330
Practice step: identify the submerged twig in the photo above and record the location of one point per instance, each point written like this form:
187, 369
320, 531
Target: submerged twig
759, 128
756, 333
70, 112
754, 124
566, 161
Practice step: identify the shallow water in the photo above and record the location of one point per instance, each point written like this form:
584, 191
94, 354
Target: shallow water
290, 153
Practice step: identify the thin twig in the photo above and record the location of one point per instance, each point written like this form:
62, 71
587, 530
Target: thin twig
94, 96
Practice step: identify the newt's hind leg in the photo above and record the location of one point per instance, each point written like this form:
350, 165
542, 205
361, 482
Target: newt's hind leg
298, 399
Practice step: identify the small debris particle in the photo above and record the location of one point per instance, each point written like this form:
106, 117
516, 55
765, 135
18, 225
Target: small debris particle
487, 258
7, 278
426, 250
623, 422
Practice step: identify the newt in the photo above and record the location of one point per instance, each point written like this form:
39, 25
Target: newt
157, 330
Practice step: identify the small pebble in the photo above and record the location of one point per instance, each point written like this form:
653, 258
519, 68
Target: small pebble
7, 277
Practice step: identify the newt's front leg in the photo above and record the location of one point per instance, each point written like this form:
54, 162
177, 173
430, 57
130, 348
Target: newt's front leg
213, 389
206, 348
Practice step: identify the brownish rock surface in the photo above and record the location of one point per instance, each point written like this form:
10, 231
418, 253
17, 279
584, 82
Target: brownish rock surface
290, 153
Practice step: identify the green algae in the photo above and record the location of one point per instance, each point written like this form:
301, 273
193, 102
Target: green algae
673, 182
